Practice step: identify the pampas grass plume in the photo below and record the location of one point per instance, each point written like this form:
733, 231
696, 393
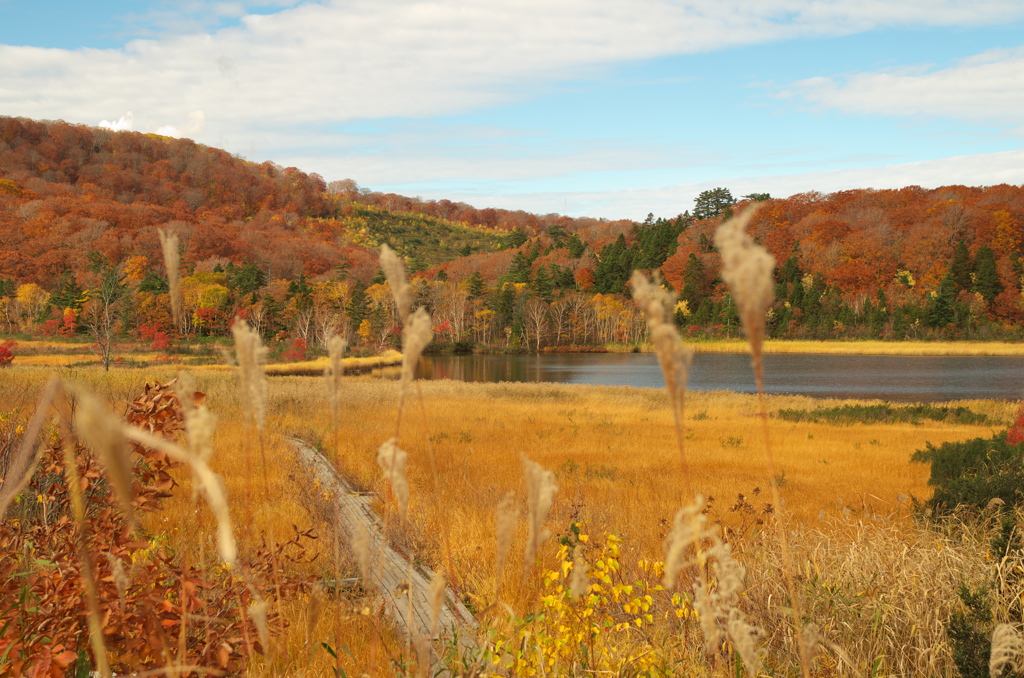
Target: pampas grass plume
415, 337
747, 269
436, 595
391, 459
394, 271
540, 493
172, 261
362, 547
506, 516
579, 583
102, 431
1007, 650
333, 372
252, 364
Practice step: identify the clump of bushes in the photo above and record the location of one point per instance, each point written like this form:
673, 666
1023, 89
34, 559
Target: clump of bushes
978, 471
884, 413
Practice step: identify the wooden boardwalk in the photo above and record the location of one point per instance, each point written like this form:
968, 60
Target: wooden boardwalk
402, 586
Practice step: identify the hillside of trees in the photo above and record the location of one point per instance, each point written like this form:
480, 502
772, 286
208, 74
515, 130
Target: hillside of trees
80, 208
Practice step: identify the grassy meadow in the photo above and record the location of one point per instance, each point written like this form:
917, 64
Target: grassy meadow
877, 584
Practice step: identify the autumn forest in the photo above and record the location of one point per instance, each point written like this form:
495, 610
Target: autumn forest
80, 210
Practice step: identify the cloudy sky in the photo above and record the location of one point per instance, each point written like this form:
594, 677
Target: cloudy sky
607, 108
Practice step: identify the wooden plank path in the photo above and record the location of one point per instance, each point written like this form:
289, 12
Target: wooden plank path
403, 587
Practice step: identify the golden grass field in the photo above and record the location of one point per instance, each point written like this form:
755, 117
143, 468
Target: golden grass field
614, 453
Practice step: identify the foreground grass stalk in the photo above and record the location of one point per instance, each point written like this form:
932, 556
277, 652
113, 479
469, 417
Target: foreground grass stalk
99, 650
747, 268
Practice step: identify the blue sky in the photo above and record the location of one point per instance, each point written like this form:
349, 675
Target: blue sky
595, 107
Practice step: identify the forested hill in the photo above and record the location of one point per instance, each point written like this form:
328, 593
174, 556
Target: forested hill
79, 203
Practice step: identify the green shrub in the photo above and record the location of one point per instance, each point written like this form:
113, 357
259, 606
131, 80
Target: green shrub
884, 413
974, 472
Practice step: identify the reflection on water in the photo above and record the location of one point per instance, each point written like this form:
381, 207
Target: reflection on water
898, 378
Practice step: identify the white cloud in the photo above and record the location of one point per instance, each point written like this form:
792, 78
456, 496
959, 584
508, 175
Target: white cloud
122, 124
988, 87
357, 59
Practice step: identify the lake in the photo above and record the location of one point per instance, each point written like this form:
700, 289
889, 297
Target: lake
896, 378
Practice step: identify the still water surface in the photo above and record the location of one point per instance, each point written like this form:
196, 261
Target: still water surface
897, 378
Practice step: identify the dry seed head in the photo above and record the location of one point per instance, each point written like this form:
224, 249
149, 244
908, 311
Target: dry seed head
362, 546
391, 459
673, 355
579, 583
209, 483
811, 634
102, 431
252, 361
507, 515
1007, 650
394, 271
540, 493
747, 268
172, 261
316, 604
744, 637
117, 573
436, 594
687, 530
200, 423
258, 614
333, 372
415, 337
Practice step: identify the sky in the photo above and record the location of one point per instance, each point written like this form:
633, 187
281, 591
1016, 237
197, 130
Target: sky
601, 108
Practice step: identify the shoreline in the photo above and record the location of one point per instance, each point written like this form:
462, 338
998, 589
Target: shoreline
901, 348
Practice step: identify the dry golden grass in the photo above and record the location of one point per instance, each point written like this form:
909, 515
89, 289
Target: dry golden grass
614, 454
316, 367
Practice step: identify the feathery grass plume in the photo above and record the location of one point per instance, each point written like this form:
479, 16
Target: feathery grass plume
747, 269
687, 530
579, 583
117, 573
506, 516
673, 355
394, 271
1007, 650
744, 637
391, 459
101, 430
436, 595
540, 492
416, 334
211, 486
24, 462
258, 615
252, 367
362, 546
317, 598
332, 374
200, 424
172, 261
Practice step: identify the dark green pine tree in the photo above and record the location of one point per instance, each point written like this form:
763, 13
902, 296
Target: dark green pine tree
960, 267
986, 277
476, 286
939, 311
696, 284
68, 293
358, 306
575, 246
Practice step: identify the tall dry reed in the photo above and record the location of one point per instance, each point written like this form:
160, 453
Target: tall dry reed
674, 356
172, 262
747, 269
